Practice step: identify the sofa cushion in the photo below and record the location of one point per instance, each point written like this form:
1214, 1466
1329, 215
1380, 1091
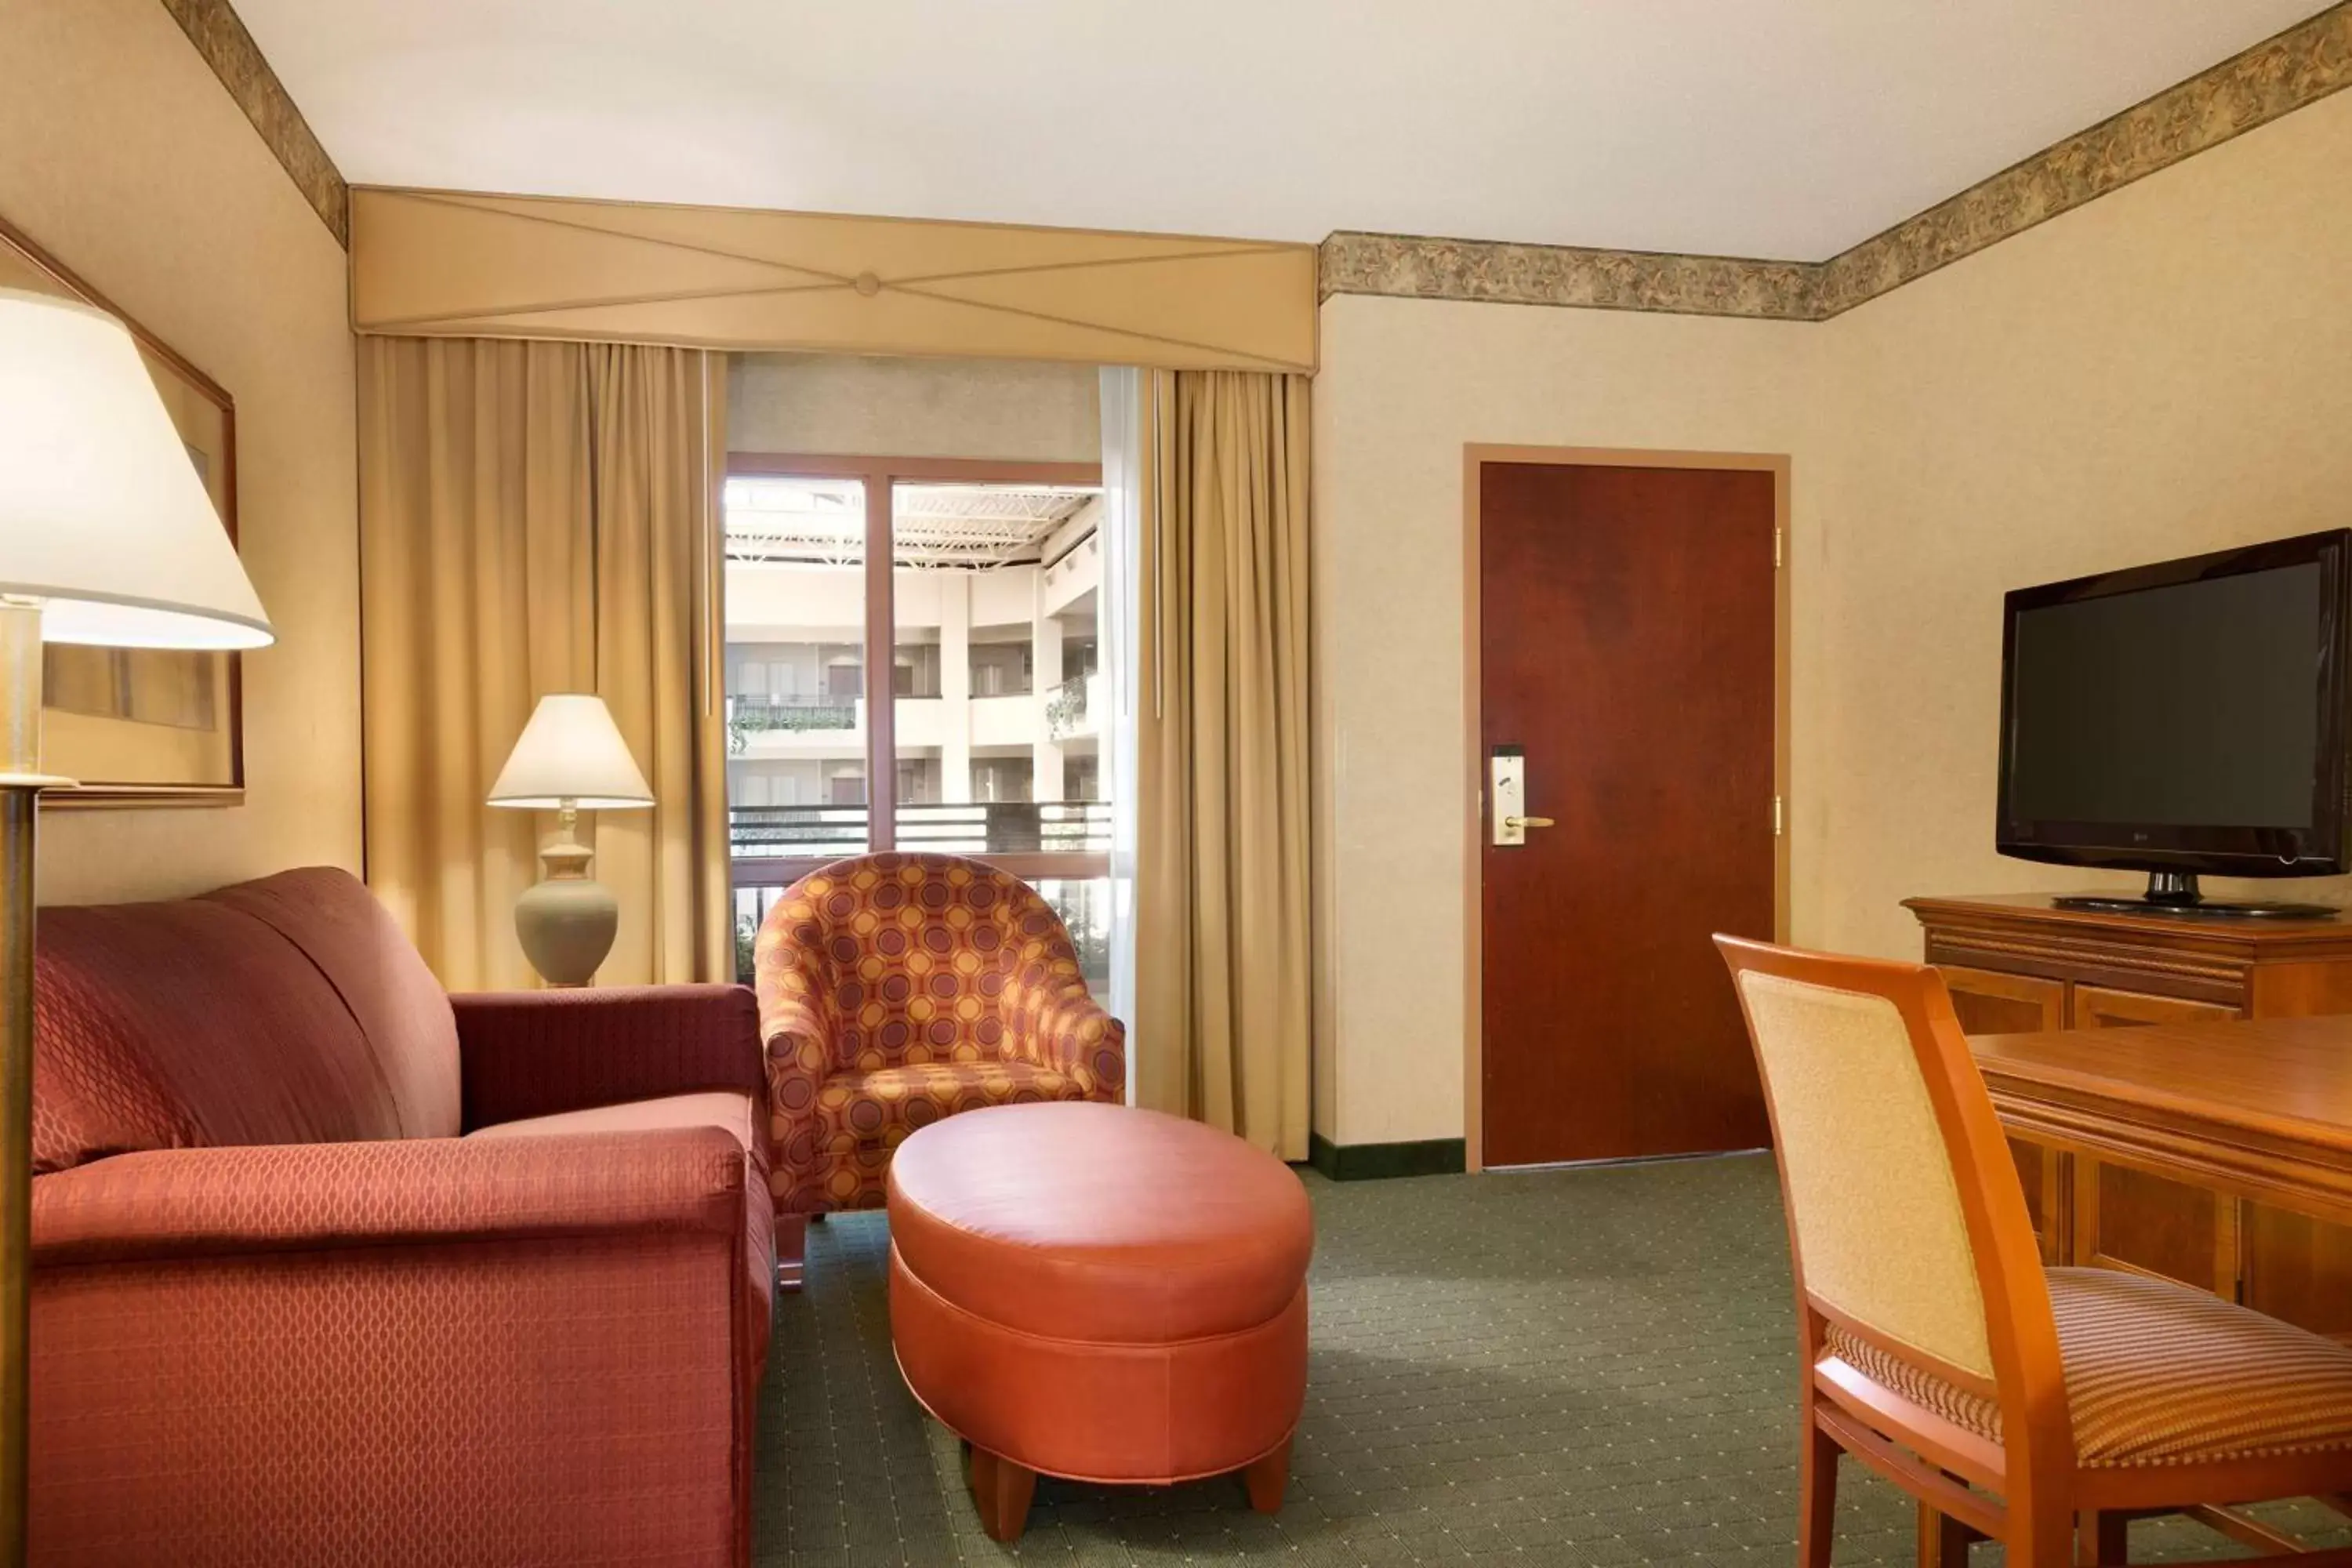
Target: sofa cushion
719, 1107
361, 949
188, 1023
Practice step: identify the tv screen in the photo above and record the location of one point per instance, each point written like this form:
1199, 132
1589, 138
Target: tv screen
2188, 715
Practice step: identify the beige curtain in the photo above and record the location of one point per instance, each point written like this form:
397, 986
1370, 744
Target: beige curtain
535, 518
1222, 916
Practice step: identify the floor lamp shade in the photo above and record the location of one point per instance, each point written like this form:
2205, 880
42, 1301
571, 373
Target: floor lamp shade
102, 516
105, 537
570, 756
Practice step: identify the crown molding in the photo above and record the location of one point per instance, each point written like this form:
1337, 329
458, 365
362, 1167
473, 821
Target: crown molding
2282, 74
219, 36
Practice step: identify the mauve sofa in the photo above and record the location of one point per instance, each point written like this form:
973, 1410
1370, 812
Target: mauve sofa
329, 1265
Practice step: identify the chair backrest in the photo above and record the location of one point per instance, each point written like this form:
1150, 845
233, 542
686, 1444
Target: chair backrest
901, 959
1906, 1223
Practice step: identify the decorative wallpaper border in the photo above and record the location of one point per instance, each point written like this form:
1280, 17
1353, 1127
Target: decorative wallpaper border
1410, 267
2276, 77
219, 35
2282, 74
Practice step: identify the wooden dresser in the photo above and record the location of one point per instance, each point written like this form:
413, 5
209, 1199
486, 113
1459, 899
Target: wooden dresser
2014, 964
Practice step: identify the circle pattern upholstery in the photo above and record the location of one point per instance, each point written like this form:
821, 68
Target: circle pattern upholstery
895, 989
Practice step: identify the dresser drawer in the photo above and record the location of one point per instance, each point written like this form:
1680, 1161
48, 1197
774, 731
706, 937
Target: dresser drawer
2104, 1007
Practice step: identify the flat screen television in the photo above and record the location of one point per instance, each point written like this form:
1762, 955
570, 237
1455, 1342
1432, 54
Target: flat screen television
2182, 717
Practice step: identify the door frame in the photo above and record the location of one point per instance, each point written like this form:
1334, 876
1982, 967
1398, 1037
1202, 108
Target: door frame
1476, 455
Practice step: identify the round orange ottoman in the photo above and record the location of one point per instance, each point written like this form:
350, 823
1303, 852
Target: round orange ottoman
1100, 1293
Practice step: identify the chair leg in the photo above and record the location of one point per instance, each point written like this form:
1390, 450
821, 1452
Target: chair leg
1266, 1478
2102, 1538
1944, 1542
2043, 1539
792, 1249
1816, 1498
1001, 1489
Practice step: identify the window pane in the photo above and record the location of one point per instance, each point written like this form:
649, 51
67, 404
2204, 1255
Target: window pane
1084, 906
795, 606
997, 638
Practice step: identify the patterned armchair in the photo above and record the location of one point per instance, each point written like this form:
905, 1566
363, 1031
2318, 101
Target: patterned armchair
895, 989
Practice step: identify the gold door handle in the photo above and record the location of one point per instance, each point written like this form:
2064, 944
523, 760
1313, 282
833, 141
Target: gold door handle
1529, 822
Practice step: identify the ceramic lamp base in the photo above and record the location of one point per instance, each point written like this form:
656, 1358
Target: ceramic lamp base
566, 923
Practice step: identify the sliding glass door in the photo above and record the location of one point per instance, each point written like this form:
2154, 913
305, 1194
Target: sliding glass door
915, 661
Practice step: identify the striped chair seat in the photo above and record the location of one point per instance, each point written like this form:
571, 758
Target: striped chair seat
2158, 1373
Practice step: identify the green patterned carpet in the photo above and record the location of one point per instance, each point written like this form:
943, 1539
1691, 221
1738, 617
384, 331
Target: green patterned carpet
1579, 1367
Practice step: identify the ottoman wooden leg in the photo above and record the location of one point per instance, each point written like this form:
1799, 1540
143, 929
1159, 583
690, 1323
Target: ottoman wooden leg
1267, 1477
1001, 1489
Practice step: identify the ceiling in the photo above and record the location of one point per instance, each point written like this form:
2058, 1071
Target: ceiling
1789, 129
967, 527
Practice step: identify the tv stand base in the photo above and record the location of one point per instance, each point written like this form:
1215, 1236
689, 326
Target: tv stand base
2176, 893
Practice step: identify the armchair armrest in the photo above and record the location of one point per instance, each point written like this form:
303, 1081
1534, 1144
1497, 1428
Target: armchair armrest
187, 1202
796, 1029
540, 1052
1066, 1030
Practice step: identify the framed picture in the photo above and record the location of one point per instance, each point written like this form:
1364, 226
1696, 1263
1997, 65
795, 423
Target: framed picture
144, 726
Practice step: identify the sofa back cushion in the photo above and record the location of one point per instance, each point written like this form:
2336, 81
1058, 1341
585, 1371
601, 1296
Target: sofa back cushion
282, 1011
354, 942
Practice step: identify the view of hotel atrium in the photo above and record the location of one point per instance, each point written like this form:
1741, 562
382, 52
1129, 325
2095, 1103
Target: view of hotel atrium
996, 690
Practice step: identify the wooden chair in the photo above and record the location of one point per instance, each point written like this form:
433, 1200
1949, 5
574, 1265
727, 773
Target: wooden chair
2041, 1408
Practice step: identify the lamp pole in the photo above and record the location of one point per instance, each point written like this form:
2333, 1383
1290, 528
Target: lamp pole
107, 537
21, 782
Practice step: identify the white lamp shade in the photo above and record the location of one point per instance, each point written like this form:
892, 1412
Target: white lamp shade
570, 751
101, 513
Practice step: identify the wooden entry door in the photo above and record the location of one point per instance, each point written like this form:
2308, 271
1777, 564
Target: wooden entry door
1627, 646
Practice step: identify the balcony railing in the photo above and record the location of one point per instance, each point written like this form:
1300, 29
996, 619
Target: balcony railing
815, 834
819, 833
1008, 828
775, 845
749, 716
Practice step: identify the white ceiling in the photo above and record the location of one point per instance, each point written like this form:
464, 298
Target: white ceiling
1777, 128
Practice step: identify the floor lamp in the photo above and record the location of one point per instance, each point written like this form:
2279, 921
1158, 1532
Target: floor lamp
106, 537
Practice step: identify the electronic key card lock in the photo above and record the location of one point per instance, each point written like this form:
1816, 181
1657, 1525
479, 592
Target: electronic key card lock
1507, 777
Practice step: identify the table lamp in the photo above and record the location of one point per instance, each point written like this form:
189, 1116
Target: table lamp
570, 757
106, 537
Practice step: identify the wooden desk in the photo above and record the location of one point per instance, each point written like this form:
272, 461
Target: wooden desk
2257, 1111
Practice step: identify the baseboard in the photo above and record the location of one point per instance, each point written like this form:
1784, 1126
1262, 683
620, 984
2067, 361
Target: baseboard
1370, 1162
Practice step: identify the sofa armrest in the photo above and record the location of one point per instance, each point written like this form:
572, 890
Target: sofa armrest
537, 1349
188, 1203
540, 1053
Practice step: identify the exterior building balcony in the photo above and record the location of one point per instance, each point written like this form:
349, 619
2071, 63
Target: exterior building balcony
794, 725
1074, 709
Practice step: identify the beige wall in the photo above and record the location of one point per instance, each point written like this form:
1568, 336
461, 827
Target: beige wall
2166, 371
121, 154
2161, 371
849, 406
1404, 385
